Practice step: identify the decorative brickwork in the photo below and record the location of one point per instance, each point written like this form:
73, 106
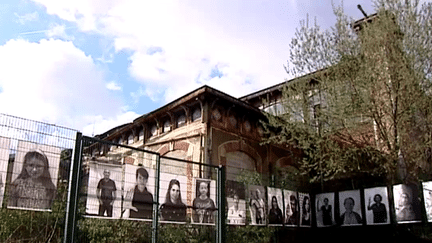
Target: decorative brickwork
239, 145
129, 160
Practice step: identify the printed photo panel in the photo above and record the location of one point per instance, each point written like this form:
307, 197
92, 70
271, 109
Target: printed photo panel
406, 203
325, 209
305, 209
257, 205
104, 190
275, 206
427, 194
350, 213
34, 176
139, 188
292, 214
172, 198
4, 158
236, 202
204, 202
377, 206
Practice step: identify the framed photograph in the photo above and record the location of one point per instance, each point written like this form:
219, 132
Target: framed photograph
427, 194
34, 176
257, 205
291, 206
325, 209
350, 208
204, 206
377, 206
139, 186
104, 190
275, 206
4, 161
236, 201
407, 205
172, 198
305, 209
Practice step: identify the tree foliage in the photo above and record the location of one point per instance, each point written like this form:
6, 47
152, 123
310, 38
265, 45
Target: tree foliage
361, 102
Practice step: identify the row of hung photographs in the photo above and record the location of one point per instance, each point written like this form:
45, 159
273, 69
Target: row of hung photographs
128, 192
266, 205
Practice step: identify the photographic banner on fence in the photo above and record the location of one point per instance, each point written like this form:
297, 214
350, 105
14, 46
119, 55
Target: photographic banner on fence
34, 176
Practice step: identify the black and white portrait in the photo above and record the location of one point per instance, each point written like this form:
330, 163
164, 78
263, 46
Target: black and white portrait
34, 177
427, 194
257, 205
275, 206
406, 203
4, 158
139, 187
292, 213
203, 206
325, 209
172, 197
305, 209
236, 200
350, 208
104, 190
377, 206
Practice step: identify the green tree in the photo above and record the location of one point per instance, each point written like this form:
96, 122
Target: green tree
361, 101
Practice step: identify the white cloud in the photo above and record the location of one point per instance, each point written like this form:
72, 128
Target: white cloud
112, 85
55, 82
187, 33
23, 19
58, 31
99, 124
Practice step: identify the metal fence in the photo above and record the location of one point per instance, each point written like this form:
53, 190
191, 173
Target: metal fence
116, 181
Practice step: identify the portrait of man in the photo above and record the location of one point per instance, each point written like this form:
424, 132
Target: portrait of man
106, 192
291, 208
377, 206
406, 203
350, 208
257, 205
236, 202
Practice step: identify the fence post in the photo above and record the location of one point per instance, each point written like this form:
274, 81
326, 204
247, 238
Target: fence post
73, 191
221, 224
156, 202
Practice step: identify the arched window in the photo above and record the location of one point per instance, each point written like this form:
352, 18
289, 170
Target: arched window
141, 135
130, 139
196, 115
236, 162
167, 126
181, 121
153, 130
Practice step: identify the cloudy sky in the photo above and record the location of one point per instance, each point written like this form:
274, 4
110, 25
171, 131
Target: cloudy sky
95, 64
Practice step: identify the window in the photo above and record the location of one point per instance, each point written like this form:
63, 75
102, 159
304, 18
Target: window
153, 130
181, 121
196, 115
167, 126
141, 135
130, 139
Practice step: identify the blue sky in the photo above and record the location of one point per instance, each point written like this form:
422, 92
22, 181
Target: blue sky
95, 64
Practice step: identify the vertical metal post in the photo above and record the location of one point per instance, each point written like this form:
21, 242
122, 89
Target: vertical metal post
73, 192
221, 224
156, 202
